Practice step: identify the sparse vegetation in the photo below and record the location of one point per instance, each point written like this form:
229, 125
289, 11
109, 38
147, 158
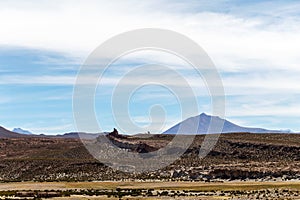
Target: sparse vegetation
156, 190
264, 159
268, 157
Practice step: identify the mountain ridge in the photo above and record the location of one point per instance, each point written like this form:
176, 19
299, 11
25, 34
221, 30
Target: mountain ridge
4, 133
203, 120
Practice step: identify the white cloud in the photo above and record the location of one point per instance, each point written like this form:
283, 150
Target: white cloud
253, 84
270, 110
234, 42
37, 80
77, 27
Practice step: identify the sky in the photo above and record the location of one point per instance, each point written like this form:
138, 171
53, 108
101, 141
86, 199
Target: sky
254, 45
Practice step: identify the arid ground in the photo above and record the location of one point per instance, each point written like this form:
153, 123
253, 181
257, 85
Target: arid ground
241, 166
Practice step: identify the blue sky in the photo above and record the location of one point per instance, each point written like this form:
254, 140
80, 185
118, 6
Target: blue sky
255, 46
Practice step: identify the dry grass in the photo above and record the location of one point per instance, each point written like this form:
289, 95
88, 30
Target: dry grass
198, 186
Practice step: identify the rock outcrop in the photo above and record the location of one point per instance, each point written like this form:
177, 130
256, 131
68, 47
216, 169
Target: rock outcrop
122, 141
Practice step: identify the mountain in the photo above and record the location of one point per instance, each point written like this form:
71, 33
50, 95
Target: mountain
4, 133
81, 135
203, 121
21, 131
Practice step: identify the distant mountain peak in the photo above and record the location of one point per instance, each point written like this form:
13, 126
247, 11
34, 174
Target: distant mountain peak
204, 115
4, 133
200, 124
21, 131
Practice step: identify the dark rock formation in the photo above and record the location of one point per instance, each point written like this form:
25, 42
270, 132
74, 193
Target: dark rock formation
135, 146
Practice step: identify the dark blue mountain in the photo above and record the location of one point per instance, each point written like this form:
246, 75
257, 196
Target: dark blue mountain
189, 126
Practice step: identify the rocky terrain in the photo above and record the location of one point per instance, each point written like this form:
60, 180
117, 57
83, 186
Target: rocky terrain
237, 156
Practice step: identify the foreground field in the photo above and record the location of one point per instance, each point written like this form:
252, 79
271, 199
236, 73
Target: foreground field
152, 190
236, 156
240, 166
